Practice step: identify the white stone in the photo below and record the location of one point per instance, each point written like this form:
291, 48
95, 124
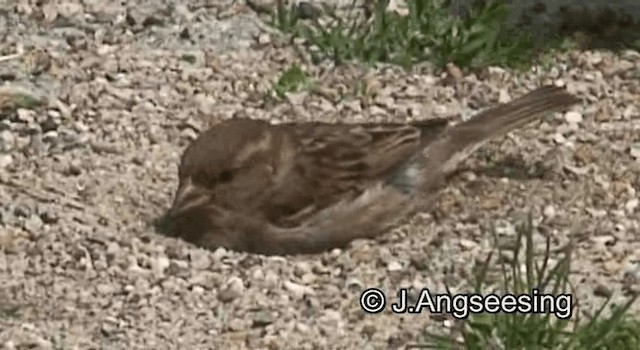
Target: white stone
549, 212
394, 266
297, 290
5, 160
573, 117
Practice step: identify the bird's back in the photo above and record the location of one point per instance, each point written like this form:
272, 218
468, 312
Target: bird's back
338, 162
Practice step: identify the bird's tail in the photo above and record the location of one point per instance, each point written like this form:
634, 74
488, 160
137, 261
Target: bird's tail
461, 140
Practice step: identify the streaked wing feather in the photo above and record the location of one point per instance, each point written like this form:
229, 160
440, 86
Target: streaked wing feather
338, 162
357, 153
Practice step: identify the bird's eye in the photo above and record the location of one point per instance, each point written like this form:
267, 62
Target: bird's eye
225, 176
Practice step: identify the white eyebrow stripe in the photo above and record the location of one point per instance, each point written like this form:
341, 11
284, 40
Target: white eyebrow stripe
251, 148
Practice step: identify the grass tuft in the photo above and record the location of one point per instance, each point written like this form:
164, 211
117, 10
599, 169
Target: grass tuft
293, 79
425, 32
12, 99
611, 327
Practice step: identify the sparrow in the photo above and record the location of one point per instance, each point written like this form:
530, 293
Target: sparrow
308, 187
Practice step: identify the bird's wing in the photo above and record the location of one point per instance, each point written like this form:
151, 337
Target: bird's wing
343, 154
336, 162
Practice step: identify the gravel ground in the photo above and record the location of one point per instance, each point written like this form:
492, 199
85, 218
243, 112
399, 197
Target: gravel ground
83, 178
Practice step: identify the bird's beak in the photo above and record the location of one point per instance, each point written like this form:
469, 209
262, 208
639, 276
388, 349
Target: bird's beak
187, 197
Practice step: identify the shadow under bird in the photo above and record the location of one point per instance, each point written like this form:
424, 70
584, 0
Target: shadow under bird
300, 188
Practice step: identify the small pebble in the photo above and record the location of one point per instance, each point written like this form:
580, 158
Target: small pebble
232, 290
7, 141
603, 291
634, 150
549, 212
631, 205
573, 117
21, 210
297, 290
5, 160
33, 224
49, 216
394, 266
262, 319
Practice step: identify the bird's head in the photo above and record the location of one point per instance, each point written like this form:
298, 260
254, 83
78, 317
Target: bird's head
231, 165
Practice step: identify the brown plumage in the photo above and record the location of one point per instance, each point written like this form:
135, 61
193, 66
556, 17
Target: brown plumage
292, 188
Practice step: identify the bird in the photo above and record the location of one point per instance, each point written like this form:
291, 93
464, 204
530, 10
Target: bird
249, 185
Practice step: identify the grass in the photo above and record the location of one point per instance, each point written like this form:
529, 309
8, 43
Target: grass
426, 32
293, 79
12, 99
611, 327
